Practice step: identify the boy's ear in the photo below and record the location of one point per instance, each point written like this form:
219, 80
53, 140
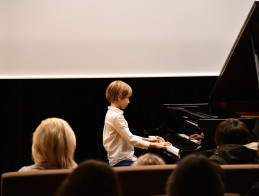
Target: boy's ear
120, 97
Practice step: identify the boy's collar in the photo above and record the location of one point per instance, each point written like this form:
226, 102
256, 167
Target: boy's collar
115, 109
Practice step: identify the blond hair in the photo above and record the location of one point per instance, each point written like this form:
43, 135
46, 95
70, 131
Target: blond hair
54, 143
149, 159
118, 89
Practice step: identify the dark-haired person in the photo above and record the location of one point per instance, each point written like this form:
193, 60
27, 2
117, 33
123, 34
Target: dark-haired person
196, 175
235, 144
91, 177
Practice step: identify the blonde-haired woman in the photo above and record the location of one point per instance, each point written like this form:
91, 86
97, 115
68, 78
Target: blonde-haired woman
53, 147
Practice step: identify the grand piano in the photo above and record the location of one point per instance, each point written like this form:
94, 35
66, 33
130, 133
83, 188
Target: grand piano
235, 94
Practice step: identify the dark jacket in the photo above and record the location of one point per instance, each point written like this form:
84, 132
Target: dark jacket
232, 154
254, 191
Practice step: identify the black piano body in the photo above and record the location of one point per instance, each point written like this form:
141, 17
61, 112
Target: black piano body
235, 94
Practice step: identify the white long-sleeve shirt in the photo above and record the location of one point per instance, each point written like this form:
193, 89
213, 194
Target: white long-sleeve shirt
118, 141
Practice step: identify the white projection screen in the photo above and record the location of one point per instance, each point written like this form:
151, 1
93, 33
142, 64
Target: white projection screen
117, 38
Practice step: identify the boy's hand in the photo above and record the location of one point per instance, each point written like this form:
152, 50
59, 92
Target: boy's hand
159, 145
154, 139
160, 139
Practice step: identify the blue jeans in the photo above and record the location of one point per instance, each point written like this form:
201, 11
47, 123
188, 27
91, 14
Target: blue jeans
124, 163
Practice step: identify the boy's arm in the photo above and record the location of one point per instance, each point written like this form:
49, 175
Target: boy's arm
121, 126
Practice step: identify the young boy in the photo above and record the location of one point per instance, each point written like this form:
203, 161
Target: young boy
118, 141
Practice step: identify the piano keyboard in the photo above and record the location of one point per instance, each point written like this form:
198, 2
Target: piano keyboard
180, 142
173, 150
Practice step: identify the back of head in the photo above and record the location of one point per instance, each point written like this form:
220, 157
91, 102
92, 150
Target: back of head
232, 131
91, 178
118, 88
149, 159
196, 175
54, 143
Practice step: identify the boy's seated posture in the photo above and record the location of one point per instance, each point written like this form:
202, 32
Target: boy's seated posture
118, 141
234, 144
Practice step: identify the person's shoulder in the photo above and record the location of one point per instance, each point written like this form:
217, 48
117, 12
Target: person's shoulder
38, 167
217, 158
233, 149
114, 113
234, 154
230, 146
115, 109
254, 190
28, 168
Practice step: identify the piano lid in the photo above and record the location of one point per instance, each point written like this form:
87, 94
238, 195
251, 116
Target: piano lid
237, 87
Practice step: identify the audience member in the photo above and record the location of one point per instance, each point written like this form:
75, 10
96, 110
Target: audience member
93, 178
149, 159
256, 132
196, 175
53, 147
254, 191
234, 144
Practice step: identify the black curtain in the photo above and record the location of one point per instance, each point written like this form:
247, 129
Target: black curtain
81, 102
